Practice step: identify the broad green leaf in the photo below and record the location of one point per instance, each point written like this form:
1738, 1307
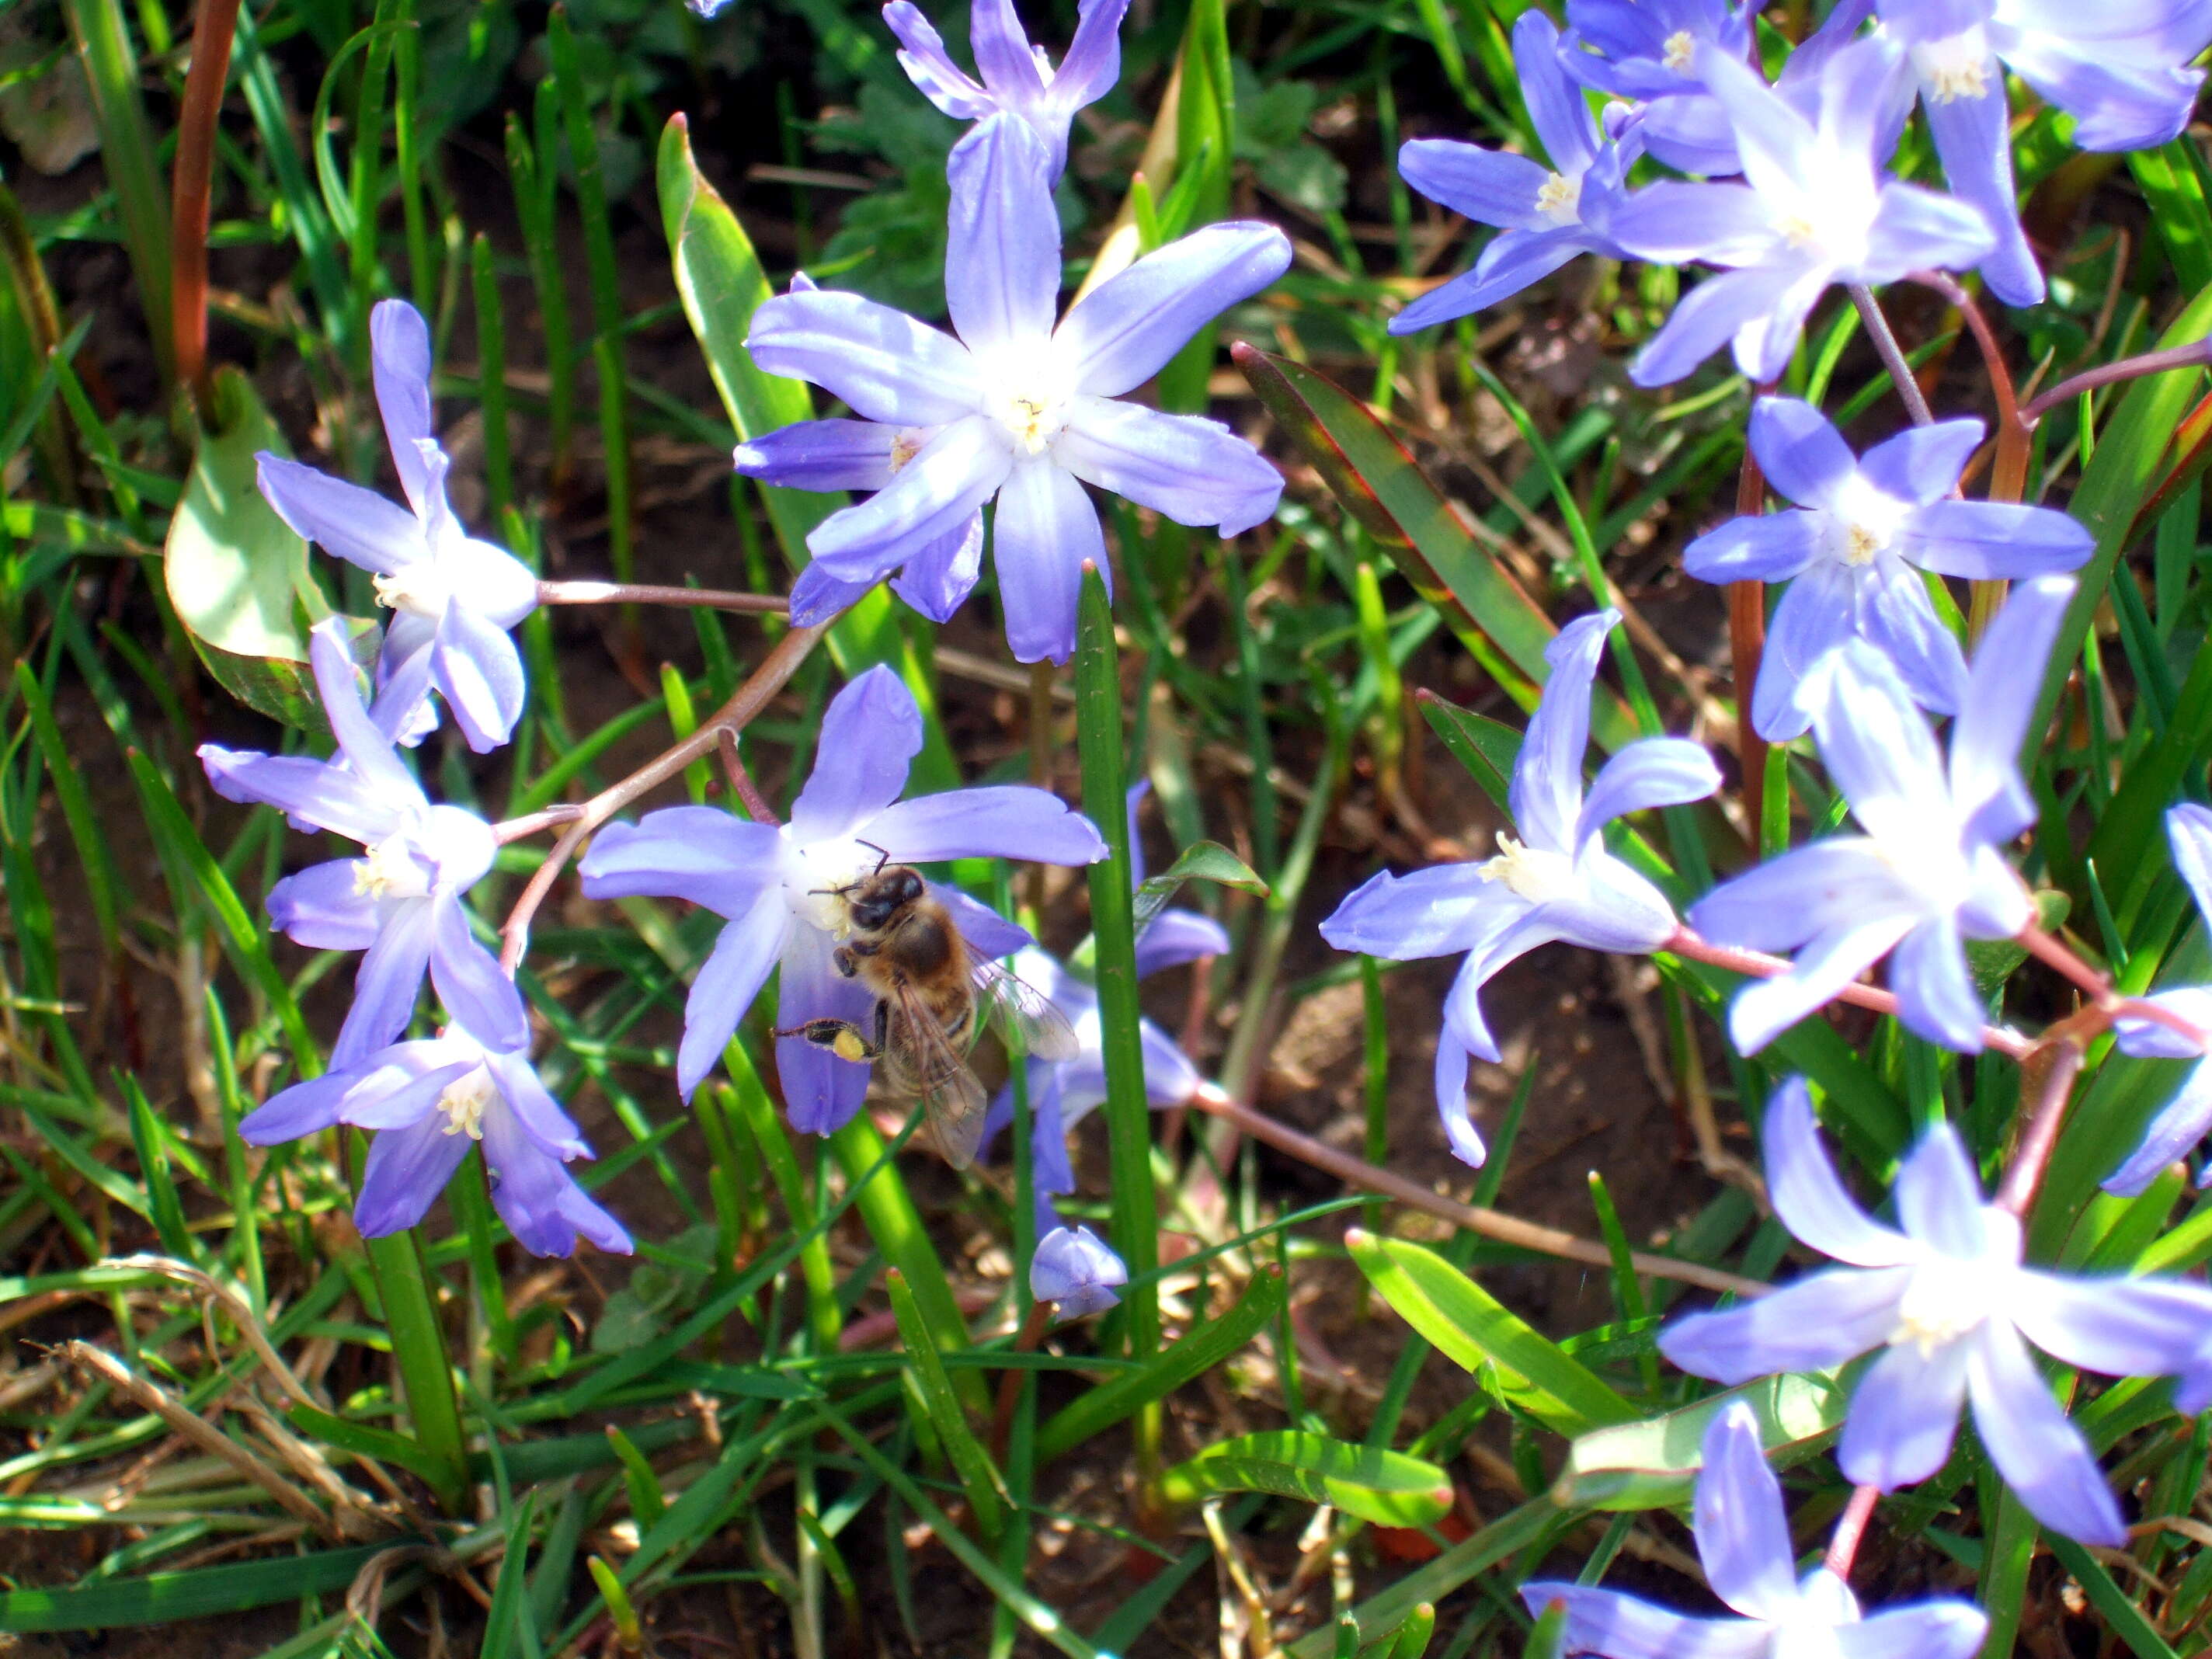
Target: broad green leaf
1388, 1488
1204, 860
1992, 961
1487, 748
1524, 1368
2179, 214
236, 573
362, 1439
1653, 1464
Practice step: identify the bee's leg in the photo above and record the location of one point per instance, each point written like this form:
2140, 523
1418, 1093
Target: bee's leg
839, 1037
846, 962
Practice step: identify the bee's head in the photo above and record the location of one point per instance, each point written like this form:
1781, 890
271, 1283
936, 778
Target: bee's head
875, 901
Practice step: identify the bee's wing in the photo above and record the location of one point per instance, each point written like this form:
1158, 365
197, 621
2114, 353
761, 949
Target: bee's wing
950, 1096
1029, 1017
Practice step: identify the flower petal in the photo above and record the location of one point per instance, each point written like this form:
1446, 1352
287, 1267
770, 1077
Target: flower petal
1938, 1197
1557, 108
870, 732
1809, 1196
302, 1110
832, 454
1905, 1415
1008, 821
1897, 617
887, 366
1936, 995
1437, 912
2117, 1327
1124, 332
367, 749
1193, 471
938, 579
1779, 905
1002, 269
1486, 185
1462, 1010
2179, 1125
2001, 689
1915, 228
1708, 317
1876, 745
1547, 793
2189, 837
1610, 908
1743, 1535
818, 597
1944, 1629
1045, 531
922, 56
1003, 54
1762, 548
988, 933
933, 496
1973, 139
1514, 259
1803, 454
478, 672
534, 1105
356, 524
400, 1087
1672, 222
385, 989
490, 581
1623, 1626
407, 1170
727, 981
2042, 1455
1093, 63
1648, 773
539, 1199
1450, 1081
1805, 1326
1988, 541
399, 364
1827, 962
2116, 105
312, 790
1922, 464
702, 854
1176, 937
324, 907
821, 1092
468, 979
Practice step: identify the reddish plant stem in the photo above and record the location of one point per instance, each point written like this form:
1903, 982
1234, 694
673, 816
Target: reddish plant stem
1759, 965
189, 184
1009, 1384
1851, 1528
769, 605
1747, 624
2052, 950
531, 823
775, 672
2050, 1072
1489, 1223
741, 781
1891, 354
2198, 354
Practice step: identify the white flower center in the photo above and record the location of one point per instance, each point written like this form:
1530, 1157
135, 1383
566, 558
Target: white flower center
906, 444
1863, 524
1029, 387
390, 869
1560, 200
1529, 872
1957, 66
464, 1102
1946, 1298
419, 589
1681, 52
815, 871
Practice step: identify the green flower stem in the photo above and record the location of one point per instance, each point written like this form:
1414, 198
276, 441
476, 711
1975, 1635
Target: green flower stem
418, 1351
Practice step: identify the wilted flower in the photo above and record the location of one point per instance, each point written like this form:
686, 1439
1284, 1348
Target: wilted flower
1648, 51
1014, 409
779, 889
2189, 1114
1930, 872
1814, 210
1559, 883
402, 902
2119, 67
1062, 1092
1743, 1544
429, 1102
1951, 1310
1018, 79
1074, 1268
1548, 216
452, 596
1853, 551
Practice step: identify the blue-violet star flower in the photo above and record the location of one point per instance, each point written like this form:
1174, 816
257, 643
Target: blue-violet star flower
1559, 883
402, 902
1929, 871
1018, 79
1075, 1269
1013, 408
452, 596
1853, 551
1648, 51
1950, 1309
1742, 1534
2185, 1118
428, 1101
777, 887
2119, 67
1813, 209
1548, 215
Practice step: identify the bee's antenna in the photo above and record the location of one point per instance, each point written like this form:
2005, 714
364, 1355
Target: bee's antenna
882, 856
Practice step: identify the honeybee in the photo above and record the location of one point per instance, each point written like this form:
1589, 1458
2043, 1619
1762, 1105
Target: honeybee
933, 995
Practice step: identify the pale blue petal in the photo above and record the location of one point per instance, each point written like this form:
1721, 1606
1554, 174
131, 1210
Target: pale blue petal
2117, 1327
324, 907
1915, 228
1514, 259
1760, 548
1672, 222
821, 1092
301, 1110
468, 979
1809, 1196
1437, 912
1648, 773
2042, 1455
478, 672
922, 56
1938, 1197
367, 749
1191, 470
938, 579
2117, 106
1007, 820
386, 988
2179, 1125
1973, 139
2189, 836
357, 524
534, 1105
1612, 908
887, 366
539, 1201
1742, 1532
399, 364
745, 953
1176, 937
1815, 615
988, 933
1837, 882
1093, 63
1903, 1416
1707, 318
1808, 1324
2000, 693
933, 496
1935, 996
1876, 743
1828, 961
1623, 1626
1920, 1630
870, 732
1002, 52
1800, 452
1462, 1007
1124, 332
315, 792
1002, 264
1450, 1082
1898, 619
1485, 186
1993, 541
1546, 793
702, 854
1044, 534
407, 1170
817, 596
1922, 463
833, 454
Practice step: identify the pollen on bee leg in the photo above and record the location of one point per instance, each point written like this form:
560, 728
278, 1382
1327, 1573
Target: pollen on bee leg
849, 1044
